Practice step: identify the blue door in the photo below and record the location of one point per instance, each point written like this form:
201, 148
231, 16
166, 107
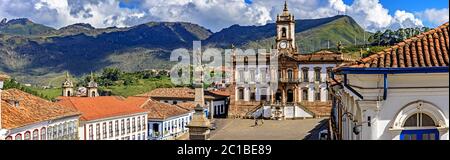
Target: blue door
426, 134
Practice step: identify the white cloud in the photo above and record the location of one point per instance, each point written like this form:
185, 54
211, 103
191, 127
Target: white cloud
434, 16
213, 14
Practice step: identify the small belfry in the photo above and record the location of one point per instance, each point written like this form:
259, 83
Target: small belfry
285, 40
67, 86
91, 87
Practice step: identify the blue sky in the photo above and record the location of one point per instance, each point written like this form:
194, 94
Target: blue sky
219, 14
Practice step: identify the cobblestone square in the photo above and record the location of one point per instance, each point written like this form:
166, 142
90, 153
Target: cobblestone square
244, 129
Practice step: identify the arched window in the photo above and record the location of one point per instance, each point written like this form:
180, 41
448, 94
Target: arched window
241, 93
305, 74
18, 137
36, 134
49, 133
43, 133
283, 32
245, 60
290, 75
27, 135
419, 120
8, 138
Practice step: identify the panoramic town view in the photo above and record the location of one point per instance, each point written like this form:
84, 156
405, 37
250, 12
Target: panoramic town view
224, 70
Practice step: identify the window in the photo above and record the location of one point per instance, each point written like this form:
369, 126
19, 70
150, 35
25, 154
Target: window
305, 75
116, 124
128, 125
241, 94
279, 74
49, 133
71, 126
245, 61
252, 75
122, 124
290, 75
18, 137
139, 123
317, 96
143, 136
329, 70
104, 131
60, 130
27, 136
305, 94
8, 138
97, 131
241, 76
143, 122
110, 129
91, 132
65, 126
55, 131
133, 124
36, 134
419, 120
317, 74
283, 32
43, 133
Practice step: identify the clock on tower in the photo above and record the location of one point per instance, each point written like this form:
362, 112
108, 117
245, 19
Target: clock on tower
285, 40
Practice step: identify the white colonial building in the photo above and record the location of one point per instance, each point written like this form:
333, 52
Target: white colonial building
401, 93
109, 117
167, 121
287, 83
27, 117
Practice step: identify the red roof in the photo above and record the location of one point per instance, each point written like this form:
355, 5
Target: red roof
93, 108
159, 110
30, 109
429, 49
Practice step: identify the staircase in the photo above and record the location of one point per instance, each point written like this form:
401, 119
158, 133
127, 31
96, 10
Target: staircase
254, 110
306, 109
320, 109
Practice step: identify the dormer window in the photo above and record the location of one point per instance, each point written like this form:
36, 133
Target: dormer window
14, 103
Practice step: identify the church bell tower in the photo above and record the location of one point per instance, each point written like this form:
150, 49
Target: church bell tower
67, 86
285, 40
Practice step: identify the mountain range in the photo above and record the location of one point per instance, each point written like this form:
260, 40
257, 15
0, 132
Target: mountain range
28, 49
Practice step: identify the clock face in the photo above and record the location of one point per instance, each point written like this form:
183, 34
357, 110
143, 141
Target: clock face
283, 45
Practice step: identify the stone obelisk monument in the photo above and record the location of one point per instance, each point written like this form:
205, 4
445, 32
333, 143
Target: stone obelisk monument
199, 127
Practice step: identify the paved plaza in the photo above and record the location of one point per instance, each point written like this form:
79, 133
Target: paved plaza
244, 129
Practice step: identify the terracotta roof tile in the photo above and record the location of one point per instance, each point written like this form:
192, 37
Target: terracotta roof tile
181, 93
223, 93
31, 109
429, 49
188, 105
322, 56
93, 108
159, 110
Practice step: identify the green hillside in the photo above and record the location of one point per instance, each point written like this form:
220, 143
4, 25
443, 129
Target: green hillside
343, 29
23, 27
